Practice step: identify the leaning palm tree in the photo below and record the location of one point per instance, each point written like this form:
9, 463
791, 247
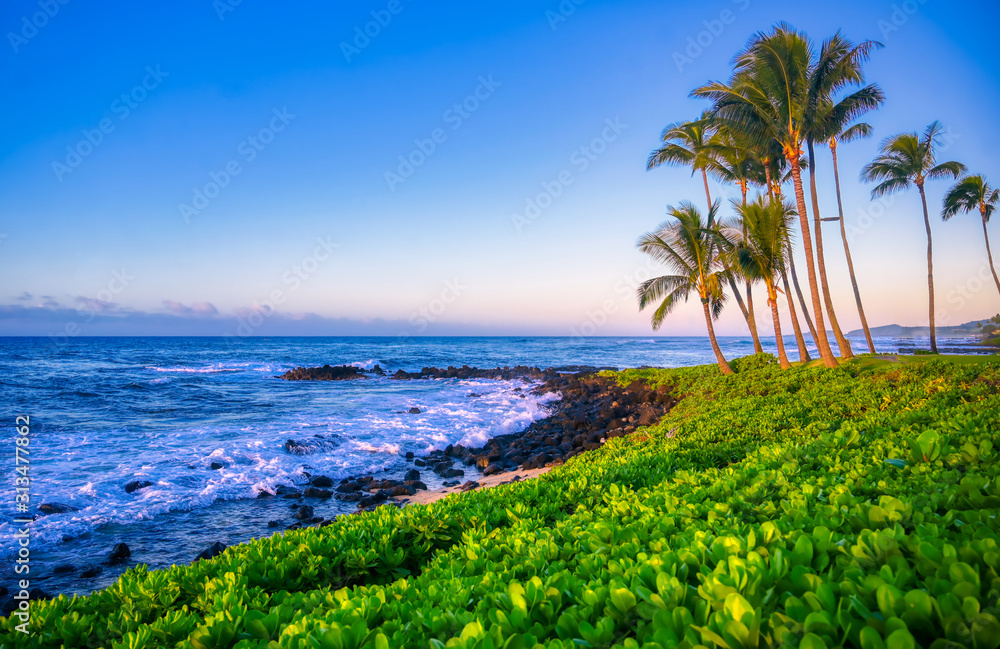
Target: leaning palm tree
768, 98
905, 160
734, 162
761, 252
693, 144
692, 248
853, 132
974, 193
837, 67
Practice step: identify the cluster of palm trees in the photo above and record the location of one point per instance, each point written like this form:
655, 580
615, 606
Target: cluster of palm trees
783, 100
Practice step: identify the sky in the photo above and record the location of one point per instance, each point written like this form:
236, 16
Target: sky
396, 167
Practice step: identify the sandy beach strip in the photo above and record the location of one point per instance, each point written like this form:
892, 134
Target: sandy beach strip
427, 497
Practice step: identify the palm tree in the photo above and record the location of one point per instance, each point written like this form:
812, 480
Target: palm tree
768, 97
761, 253
692, 249
693, 144
974, 193
854, 132
837, 67
905, 160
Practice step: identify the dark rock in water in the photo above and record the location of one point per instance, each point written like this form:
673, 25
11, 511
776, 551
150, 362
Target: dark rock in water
377, 370
64, 569
273, 524
409, 455
348, 487
325, 373
414, 410
287, 492
412, 474
136, 485
321, 481
36, 594
419, 462
452, 473
214, 551
469, 486
492, 469
264, 494
402, 490
3, 591
313, 492
215, 466
55, 508
307, 447
441, 467
91, 571
305, 512
371, 501
119, 554
348, 498
450, 483
416, 484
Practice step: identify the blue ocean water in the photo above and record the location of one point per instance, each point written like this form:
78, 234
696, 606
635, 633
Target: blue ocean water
107, 411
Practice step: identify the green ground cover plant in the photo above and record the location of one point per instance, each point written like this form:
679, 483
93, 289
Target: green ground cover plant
810, 507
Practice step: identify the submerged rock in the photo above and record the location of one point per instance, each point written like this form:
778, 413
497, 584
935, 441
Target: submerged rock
136, 485
119, 554
55, 508
216, 549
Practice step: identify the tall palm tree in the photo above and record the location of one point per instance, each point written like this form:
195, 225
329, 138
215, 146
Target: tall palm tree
761, 252
768, 97
692, 248
905, 160
974, 193
853, 132
837, 67
693, 144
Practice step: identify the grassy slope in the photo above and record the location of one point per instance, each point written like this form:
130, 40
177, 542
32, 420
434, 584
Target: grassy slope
761, 511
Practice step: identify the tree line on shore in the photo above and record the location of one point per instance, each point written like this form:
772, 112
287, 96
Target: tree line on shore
784, 100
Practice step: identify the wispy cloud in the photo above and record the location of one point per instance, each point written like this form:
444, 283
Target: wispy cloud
200, 309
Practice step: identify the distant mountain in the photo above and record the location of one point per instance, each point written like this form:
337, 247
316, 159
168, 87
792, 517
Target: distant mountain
899, 331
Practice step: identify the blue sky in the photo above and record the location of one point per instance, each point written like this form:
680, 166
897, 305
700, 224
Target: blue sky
383, 183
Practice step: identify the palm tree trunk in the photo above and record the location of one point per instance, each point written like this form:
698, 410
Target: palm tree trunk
799, 339
723, 365
798, 294
822, 344
747, 315
930, 270
751, 317
772, 299
989, 255
847, 252
842, 342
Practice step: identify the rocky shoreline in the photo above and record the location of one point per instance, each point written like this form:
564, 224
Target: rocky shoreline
593, 409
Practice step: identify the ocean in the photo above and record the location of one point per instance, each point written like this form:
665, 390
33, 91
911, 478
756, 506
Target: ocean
108, 411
